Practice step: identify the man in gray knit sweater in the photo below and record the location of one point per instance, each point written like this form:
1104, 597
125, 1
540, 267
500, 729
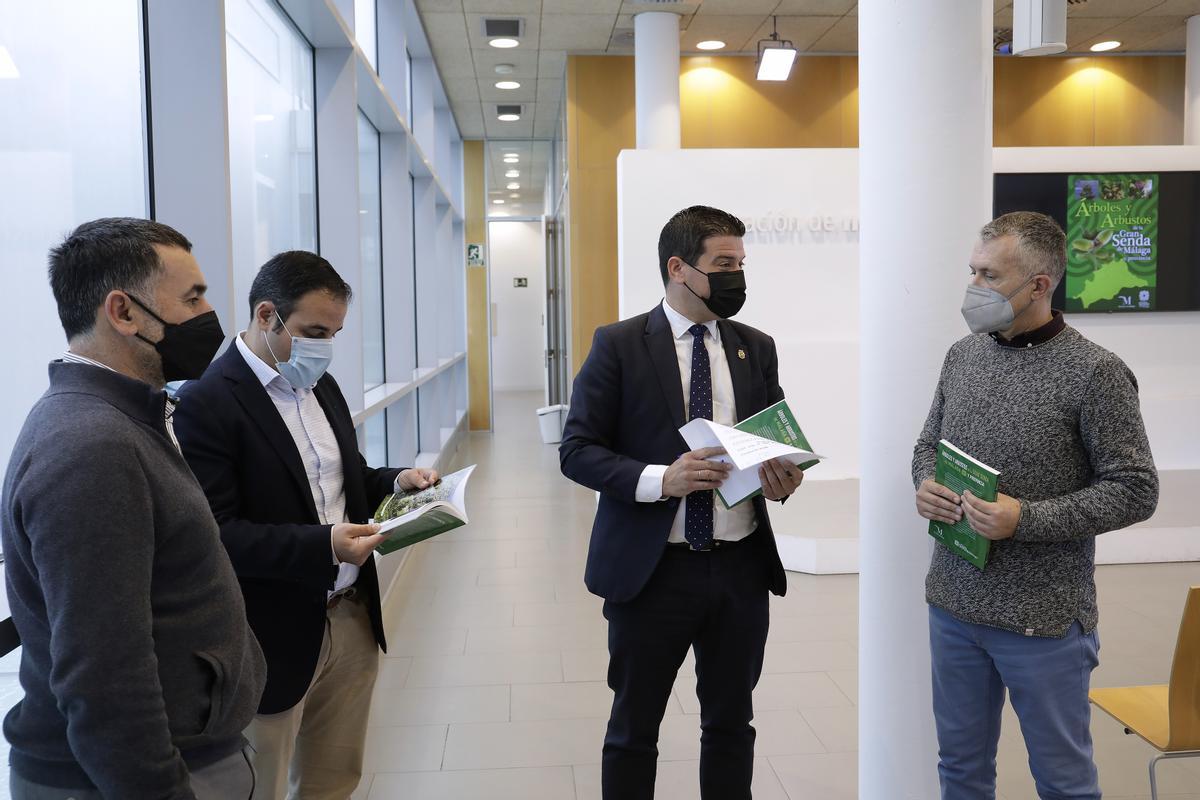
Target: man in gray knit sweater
139, 668
1058, 416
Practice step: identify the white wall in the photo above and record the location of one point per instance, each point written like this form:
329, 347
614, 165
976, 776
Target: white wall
803, 277
516, 249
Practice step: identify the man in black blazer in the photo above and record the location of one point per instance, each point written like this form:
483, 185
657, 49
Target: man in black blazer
270, 437
676, 569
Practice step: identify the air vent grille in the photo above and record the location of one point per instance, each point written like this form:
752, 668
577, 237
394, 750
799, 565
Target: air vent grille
507, 28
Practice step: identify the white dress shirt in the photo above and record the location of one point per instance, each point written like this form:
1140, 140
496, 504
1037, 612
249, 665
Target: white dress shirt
315, 441
730, 524
75, 358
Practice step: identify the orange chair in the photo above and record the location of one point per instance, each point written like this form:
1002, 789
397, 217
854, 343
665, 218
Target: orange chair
1167, 715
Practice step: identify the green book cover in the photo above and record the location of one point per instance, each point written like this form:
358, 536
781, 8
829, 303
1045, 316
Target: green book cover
777, 423
959, 472
406, 518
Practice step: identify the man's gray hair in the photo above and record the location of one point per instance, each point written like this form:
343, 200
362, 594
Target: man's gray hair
1041, 243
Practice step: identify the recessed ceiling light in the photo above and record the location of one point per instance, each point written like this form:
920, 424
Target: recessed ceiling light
508, 85
1100, 47
515, 195
711, 44
511, 160
512, 173
512, 186
503, 44
498, 202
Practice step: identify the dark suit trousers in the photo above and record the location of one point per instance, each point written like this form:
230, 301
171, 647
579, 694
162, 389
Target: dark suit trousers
717, 603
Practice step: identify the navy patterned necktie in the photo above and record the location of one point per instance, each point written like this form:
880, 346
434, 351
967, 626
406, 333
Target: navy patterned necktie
698, 517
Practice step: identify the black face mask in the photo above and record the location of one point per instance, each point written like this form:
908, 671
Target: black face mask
727, 292
186, 348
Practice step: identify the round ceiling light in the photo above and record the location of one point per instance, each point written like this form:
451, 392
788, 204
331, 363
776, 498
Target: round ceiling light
511, 160
514, 195
512, 173
512, 186
503, 44
498, 202
1101, 47
711, 44
508, 85
509, 117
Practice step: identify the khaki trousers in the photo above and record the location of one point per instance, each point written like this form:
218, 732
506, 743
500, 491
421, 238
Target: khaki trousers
314, 750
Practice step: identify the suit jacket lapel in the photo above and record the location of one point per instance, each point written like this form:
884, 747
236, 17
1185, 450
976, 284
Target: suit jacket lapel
661, 344
252, 396
738, 357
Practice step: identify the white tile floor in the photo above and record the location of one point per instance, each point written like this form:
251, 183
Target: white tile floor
494, 687
494, 684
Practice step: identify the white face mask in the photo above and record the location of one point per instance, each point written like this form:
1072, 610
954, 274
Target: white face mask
310, 359
988, 311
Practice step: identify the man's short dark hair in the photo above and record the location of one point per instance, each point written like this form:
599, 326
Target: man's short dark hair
684, 234
290, 275
98, 257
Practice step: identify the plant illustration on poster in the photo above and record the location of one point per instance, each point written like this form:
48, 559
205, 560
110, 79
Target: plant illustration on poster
1112, 228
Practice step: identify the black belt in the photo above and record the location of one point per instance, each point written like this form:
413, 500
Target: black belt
713, 546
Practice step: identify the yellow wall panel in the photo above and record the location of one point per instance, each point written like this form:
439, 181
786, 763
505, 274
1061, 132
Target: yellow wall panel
1077, 101
478, 333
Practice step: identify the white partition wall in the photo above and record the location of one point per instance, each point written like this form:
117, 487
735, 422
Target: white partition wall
252, 126
801, 210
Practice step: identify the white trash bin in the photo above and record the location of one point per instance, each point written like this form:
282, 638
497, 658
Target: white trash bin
551, 420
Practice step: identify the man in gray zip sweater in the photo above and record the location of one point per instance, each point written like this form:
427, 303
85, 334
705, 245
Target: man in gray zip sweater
139, 668
1058, 416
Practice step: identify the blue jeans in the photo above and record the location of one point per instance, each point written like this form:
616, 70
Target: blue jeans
1048, 680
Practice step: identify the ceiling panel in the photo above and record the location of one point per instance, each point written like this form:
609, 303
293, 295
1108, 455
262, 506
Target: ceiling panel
501, 8
576, 32
841, 38
1183, 8
439, 5
1135, 33
1175, 40
803, 31
552, 64
1086, 30
815, 8
728, 7
1111, 8
529, 37
524, 61
628, 7
738, 32
486, 87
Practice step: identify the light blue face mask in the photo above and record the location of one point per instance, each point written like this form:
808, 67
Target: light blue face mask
310, 359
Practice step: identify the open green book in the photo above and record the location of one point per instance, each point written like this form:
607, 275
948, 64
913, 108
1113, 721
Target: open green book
771, 433
958, 472
406, 518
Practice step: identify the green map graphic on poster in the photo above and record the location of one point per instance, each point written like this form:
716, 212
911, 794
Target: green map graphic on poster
1112, 242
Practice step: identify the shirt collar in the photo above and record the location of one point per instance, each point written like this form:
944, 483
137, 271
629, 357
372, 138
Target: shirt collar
1035, 337
75, 358
266, 376
681, 324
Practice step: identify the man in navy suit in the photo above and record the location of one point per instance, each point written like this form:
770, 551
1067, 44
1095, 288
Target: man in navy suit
270, 437
676, 569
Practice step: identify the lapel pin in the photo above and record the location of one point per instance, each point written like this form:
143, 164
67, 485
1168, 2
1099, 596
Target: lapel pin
741, 354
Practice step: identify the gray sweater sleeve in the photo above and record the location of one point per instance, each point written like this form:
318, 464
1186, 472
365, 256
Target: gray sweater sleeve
1124, 489
924, 462
95, 571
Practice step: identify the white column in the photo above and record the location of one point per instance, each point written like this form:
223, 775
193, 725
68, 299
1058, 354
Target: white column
656, 67
925, 136
1191, 103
